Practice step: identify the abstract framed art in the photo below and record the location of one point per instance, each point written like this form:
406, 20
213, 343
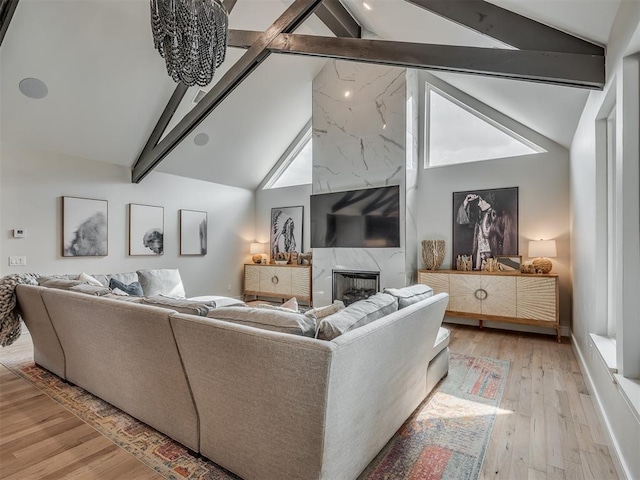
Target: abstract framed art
193, 232
485, 224
85, 227
146, 229
286, 230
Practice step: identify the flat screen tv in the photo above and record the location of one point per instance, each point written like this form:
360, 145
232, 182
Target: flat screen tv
368, 218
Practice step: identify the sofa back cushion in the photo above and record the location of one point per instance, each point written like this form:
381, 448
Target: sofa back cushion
180, 305
60, 283
409, 295
267, 319
356, 315
90, 289
165, 282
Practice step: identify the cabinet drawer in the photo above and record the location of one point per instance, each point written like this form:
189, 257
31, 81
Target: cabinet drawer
537, 299
275, 280
501, 296
462, 293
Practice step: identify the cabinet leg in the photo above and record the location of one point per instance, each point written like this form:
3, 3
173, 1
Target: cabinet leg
480, 324
559, 336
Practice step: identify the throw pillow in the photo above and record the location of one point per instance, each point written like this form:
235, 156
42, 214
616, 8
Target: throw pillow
180, 305
85, 278
133, 289
91, 289
356, 315
60, 283
320, 312
409, 295
117, 291
165, 282
267, 319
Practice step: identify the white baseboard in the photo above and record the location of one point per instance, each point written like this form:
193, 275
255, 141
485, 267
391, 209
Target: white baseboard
614, 448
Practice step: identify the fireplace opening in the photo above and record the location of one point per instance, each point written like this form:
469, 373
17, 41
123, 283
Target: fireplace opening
349, 286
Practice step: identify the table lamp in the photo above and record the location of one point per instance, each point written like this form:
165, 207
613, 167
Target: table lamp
542, 249
257, 250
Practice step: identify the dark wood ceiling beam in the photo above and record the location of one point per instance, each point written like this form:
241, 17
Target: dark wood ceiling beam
586, 71
7, 9
508, 27
338, 19
229, 4
291, 19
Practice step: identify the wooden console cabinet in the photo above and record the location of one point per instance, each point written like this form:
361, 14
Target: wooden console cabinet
502, 297
279, 281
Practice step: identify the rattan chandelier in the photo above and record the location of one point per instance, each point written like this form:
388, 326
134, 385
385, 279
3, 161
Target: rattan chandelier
191, 35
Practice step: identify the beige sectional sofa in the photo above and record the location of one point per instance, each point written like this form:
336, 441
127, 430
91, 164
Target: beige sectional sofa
262, 404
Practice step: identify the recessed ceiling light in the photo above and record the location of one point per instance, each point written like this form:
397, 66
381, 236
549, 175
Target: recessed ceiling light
201, 139
347, 94
33, 88
366, 5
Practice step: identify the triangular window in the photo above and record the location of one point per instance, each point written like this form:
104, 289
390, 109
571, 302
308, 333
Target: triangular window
295, 168
458, 134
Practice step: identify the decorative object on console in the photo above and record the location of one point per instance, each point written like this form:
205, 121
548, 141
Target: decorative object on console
191, 36
193, 232
542, 249
282, 258
293, 258
527, 267
85, 227
464, 263
485, 224
257, 250
489, 264
305, 258
286, 230
509, 263
433, 253
146, 230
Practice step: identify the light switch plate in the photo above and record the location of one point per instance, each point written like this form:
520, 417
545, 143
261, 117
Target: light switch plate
17, 261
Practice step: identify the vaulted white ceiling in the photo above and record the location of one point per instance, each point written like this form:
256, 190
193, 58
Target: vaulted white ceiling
108, 86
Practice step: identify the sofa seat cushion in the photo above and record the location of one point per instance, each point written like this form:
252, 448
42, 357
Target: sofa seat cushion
409, 295
217, 300
442, 342
266, 319
180, 305
165, 282
134, 288
356, 315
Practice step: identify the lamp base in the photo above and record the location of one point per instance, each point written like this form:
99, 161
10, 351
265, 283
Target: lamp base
257, 258
542, 265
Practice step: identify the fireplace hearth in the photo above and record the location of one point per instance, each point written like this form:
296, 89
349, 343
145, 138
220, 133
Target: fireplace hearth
349, 286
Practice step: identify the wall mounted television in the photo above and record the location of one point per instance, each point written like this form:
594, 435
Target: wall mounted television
368, 218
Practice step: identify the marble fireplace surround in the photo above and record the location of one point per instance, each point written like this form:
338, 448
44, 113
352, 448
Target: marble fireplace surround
365, 120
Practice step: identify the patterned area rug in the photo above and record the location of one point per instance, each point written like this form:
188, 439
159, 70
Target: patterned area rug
445, 438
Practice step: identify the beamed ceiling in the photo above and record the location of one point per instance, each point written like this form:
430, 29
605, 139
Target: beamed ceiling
111, 100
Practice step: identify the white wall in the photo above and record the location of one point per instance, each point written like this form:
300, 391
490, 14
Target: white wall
588, 223
33, 183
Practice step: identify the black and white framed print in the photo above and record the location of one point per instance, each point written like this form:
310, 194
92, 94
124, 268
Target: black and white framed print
193, 232
146, 229
286, 230
85, 227
485, 224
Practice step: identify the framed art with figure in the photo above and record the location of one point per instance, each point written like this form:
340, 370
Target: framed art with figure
286, 230
485, 224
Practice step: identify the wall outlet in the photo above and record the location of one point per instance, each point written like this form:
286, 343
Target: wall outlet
17, 261
18, 233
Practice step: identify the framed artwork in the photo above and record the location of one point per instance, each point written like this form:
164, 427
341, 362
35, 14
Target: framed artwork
146, 230
193, 232
485, 224
286, 230
509, 263
85, 227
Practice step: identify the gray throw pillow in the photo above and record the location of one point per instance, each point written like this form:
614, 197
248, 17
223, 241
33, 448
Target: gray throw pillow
409, 295
60, 283
356, 315
266, 319
90, 289
165, 282
134, 288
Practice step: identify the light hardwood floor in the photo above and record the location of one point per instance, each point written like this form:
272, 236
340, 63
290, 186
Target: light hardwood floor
546, 427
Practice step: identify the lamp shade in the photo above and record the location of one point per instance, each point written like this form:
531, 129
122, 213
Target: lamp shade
256, 248
542, 248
